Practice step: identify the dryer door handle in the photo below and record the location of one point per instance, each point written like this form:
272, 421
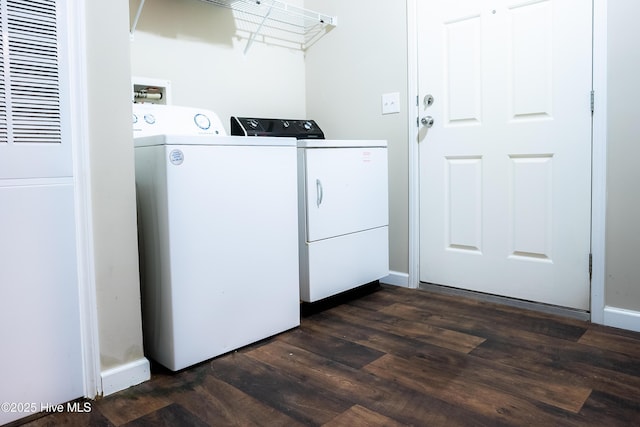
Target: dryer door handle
319, 192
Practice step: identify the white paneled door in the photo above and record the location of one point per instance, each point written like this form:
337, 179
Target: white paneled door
505, 168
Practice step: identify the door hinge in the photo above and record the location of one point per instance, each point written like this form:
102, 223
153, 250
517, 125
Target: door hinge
590, 266
593, 101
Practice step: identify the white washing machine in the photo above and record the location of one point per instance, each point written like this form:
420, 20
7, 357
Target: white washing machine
343, 206
218, 235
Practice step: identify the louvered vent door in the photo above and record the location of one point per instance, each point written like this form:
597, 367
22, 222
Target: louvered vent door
32, 131
39, 304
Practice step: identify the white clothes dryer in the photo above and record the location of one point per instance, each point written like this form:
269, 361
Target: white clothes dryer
343, 215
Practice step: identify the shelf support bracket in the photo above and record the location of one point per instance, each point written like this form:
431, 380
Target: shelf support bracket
255, 34
136, 18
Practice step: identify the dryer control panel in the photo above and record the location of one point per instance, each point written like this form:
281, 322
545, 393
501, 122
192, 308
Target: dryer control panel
299, 129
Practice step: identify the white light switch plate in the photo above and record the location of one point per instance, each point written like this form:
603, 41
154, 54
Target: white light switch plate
390, 103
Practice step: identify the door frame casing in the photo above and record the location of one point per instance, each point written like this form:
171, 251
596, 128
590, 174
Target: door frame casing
599, 140
599, 162
79, 135
414, 157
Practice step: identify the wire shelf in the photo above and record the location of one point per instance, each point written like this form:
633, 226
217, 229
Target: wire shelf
268, 15
279, 11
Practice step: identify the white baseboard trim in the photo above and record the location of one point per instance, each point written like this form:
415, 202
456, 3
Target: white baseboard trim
621, 318
396, 278
125, 376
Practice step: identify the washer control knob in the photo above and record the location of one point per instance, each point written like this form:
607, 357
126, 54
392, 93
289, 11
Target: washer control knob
150, 118
253, 123
202, 121
285, 124
308, 125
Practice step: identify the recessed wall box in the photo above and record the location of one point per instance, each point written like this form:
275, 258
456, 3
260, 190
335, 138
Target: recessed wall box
152, 91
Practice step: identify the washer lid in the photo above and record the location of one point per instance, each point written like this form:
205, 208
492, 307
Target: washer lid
212, 140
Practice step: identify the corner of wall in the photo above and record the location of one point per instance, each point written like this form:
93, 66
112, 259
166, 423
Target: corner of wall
396, 278
125, 376
111, 168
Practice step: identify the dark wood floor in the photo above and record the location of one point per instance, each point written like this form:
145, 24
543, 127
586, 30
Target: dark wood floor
399, 357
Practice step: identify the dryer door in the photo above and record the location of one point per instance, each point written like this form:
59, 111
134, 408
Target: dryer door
346, 190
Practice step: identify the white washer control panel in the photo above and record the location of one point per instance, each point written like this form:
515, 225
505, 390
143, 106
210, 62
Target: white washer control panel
155, 119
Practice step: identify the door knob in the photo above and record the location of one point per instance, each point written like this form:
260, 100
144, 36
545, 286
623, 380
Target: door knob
427, 121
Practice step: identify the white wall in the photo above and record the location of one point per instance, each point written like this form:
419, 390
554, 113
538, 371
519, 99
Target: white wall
347, 72
622, 286
199, 47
